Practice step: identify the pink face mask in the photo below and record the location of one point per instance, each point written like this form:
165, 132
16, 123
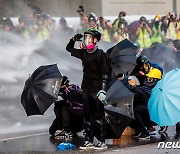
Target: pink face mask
90, 46
88, 42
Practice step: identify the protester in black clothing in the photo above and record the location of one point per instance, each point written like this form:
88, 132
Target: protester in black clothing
68, 110
143, 67
140, 103
95, 76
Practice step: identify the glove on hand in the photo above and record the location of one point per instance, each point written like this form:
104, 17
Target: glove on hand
59, 98
77, 37
102, 96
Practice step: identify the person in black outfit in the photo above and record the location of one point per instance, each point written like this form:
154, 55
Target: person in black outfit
95, 78
143, 67
68, 110
140, 103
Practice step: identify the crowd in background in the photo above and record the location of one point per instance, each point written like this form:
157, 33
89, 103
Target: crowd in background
143, 33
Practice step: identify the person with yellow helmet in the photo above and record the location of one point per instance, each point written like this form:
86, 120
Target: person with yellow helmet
152, 78
154, 75
143, 67
156, 30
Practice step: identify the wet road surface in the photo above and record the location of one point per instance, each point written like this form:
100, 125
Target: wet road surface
43, 143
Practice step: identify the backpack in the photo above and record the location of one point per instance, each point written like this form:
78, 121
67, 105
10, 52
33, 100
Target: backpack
108, 61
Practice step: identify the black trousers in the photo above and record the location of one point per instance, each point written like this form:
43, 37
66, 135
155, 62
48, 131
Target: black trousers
94, 117
142, 118
67, 118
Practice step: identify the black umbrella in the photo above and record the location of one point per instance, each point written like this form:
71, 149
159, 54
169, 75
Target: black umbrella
119, 111
120, 99
123, 57
115, 123
160, 54
41, 89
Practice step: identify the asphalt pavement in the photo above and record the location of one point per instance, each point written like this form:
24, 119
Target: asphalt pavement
42, 142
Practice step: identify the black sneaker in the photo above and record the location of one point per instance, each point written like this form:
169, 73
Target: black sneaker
64, 135
144, 136
101, 146
58, 132
87, 146
151, 130
136, 135
163, 129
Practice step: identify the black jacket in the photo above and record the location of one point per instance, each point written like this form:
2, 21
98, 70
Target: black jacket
140, 97
93, 70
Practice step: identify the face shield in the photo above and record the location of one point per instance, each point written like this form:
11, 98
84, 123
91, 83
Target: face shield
88, 41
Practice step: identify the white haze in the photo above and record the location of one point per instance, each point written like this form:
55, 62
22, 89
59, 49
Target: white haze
18, 59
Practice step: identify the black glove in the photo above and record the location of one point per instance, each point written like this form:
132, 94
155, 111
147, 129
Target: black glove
77, 37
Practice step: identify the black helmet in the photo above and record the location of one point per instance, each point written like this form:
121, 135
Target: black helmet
92, 17
142, 18
94, 32
141, 60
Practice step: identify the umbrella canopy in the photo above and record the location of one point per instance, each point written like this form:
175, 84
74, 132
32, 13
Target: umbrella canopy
115, 124
161, 54
120, 99
163, 105
123, 57
41, 89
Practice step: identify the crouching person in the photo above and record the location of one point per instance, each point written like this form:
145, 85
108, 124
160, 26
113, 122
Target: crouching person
140, 103
68, 111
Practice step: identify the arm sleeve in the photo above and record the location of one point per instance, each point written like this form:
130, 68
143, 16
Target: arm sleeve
105, 71
78, 53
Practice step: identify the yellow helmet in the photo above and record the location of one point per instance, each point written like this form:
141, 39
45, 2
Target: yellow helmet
157, 17
154, 73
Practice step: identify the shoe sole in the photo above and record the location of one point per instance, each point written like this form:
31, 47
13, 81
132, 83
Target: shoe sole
147, 138
97, 148
86, 148
152, 133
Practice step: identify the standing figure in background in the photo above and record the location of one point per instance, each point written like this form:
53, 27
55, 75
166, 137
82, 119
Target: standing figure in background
144, 33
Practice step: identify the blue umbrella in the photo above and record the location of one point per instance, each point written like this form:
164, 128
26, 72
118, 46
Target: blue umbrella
164, 103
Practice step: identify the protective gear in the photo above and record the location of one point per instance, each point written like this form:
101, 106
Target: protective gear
101, 96
142, 18
105, 79
157, 17
88, 41
59, 98
94, 32
141, 60
154, 73
92, 17
146, 67
77, 37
